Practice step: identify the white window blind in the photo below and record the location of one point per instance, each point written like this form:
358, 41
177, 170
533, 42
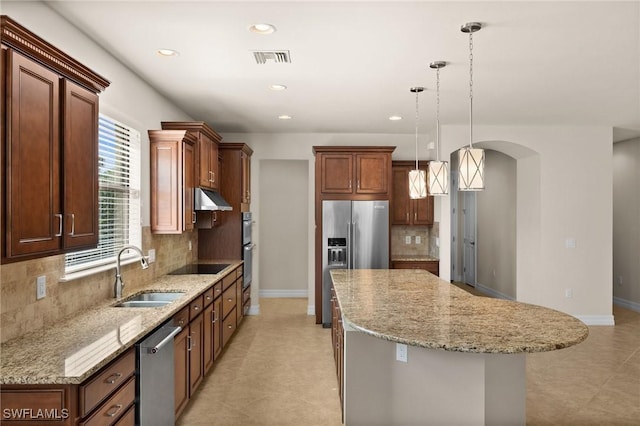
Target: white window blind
119, 196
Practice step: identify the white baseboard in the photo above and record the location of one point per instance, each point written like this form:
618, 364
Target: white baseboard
628, 304
596, 319
254, 310
491, 292
283, 293
311, 310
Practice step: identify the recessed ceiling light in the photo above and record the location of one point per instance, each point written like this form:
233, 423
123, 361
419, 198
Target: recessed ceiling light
168, 52
285, 117
277, 87
395, 118
262, 29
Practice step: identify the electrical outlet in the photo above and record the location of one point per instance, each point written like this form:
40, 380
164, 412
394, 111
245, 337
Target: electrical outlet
401, 352
437, 242
619, 279
41, 287
190, 246
407, 239
151, 256
418, 239
568, 293
570, 243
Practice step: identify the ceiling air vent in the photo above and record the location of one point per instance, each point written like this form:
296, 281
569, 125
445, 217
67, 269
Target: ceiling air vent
277, 56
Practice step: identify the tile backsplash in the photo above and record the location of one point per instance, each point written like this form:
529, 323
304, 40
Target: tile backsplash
20, 312
427, 235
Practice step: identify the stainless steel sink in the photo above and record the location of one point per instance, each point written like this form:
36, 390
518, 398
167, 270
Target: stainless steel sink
151, 299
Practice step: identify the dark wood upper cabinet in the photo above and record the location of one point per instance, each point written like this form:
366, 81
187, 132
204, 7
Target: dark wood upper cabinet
207, 168
353, 172
172, 160
49, 121
404, 210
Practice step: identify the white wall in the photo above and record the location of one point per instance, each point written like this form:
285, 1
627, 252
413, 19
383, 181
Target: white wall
283, 226
496, 226
626, 223
564, 191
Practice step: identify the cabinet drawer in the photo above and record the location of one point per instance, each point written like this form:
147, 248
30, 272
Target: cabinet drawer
229, 300
55, 400
246, 294
239, 271
208, 297
109, 412
106, 382
196, 307
217, 290
129, 418
228, 280
228, 327
181, 319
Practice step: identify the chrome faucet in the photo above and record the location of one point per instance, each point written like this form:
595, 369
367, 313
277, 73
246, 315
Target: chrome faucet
119, 284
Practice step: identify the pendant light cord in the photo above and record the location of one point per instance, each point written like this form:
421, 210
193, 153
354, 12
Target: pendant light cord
470, 89
417, 117
438, 114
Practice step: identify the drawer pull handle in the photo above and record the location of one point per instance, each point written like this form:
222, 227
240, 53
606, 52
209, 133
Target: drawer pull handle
215, 317
59, 234
230, 326
195, 308
208, 297
230, 300
113, 410
113, 378
181, 322
189, 347
218, 290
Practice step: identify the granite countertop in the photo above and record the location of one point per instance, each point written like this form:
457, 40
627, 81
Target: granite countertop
413, 258
71, 350
419, 309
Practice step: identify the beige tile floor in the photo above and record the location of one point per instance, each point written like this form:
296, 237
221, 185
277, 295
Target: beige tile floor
278, 370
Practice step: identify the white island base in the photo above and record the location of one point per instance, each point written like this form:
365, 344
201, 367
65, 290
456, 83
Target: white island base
434, 387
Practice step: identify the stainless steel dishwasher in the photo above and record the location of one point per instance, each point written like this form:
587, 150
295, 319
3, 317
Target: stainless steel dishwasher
155, 402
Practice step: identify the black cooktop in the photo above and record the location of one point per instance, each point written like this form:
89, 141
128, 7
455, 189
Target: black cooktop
200, 268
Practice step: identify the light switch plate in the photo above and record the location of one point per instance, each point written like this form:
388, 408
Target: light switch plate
418, 239
407, 239
41, 287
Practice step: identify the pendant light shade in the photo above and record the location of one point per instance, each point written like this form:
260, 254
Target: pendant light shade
471, 169
417, 184
470, 159
438, 179
417, 177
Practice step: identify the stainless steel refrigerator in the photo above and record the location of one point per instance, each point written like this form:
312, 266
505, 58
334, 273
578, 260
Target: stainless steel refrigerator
355, 235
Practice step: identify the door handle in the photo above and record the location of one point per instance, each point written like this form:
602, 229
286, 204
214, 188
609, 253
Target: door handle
166, 340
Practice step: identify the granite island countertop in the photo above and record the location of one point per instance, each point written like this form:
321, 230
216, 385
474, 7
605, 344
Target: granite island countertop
71, 350
413, 258
419, 309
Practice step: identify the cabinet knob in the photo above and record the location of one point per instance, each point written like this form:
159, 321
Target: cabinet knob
195, 308
230, 300
229, 326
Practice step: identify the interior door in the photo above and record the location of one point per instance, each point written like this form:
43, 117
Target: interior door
469, 242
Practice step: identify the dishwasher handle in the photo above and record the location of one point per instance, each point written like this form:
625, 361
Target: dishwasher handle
167, 339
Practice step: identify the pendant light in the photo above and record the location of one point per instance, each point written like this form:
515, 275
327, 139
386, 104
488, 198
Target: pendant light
438, 170
470, 159
417, 177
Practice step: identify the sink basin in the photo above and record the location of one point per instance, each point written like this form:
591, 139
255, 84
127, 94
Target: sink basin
152, 299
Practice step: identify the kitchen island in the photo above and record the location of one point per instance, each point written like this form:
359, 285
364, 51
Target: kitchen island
465, 355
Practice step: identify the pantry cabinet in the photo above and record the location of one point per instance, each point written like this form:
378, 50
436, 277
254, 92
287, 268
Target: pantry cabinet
172, 181
49, 124
206, 173
404, 210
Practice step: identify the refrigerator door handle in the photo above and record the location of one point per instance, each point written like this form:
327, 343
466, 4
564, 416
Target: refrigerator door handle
355, 255
349, 245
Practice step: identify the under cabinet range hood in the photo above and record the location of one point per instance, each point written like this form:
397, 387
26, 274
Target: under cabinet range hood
206, 199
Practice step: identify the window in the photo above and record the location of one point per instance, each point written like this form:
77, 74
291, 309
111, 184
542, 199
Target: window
119, 198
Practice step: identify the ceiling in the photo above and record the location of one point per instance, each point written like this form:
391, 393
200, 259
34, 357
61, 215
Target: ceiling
353, 62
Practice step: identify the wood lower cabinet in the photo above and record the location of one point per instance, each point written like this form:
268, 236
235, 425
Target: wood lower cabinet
181, 370
337, 340
105, 398
172, 181
432, 266
404, 210
50, 136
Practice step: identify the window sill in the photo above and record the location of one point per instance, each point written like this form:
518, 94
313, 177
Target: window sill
76, 275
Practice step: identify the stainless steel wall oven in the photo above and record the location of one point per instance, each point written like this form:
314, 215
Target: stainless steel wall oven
247, 248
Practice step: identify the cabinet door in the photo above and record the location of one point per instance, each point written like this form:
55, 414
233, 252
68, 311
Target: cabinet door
34, 215
423, 211
196, 346
400, 204
207, 340
165, 192
337, 173
188, 168
217, 327
181, 370
80, 145
213, 164
372, 173
239, 298
204, 152
246, 178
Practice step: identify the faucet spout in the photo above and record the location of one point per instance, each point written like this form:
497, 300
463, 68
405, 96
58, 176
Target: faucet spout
119, 284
